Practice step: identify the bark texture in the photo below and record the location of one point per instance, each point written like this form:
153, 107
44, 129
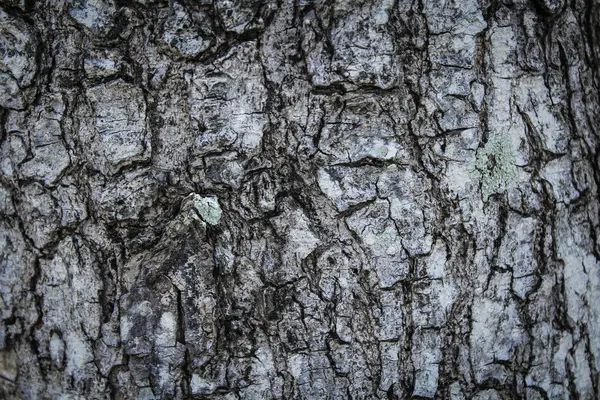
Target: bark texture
309, 199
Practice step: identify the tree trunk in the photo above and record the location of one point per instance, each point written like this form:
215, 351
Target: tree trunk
299, 200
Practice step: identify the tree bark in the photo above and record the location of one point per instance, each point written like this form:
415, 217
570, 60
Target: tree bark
307, 199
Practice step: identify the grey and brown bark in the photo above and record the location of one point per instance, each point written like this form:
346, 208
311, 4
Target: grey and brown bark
310, 199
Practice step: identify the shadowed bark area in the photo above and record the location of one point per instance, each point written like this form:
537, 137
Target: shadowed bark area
299, 199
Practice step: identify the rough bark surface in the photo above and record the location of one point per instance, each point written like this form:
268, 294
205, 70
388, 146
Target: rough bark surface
361, 199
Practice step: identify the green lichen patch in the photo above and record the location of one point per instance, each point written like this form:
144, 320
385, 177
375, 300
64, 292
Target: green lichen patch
494, 166
208, 208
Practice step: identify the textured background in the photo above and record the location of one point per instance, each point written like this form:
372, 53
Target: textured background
299, 199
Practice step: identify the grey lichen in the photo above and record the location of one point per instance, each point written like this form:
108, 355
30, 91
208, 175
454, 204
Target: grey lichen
494, 166
208, 208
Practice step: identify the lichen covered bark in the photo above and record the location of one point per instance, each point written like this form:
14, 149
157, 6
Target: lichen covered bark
299, 199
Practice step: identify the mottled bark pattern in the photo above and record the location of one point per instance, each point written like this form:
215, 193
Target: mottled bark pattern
307, 199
